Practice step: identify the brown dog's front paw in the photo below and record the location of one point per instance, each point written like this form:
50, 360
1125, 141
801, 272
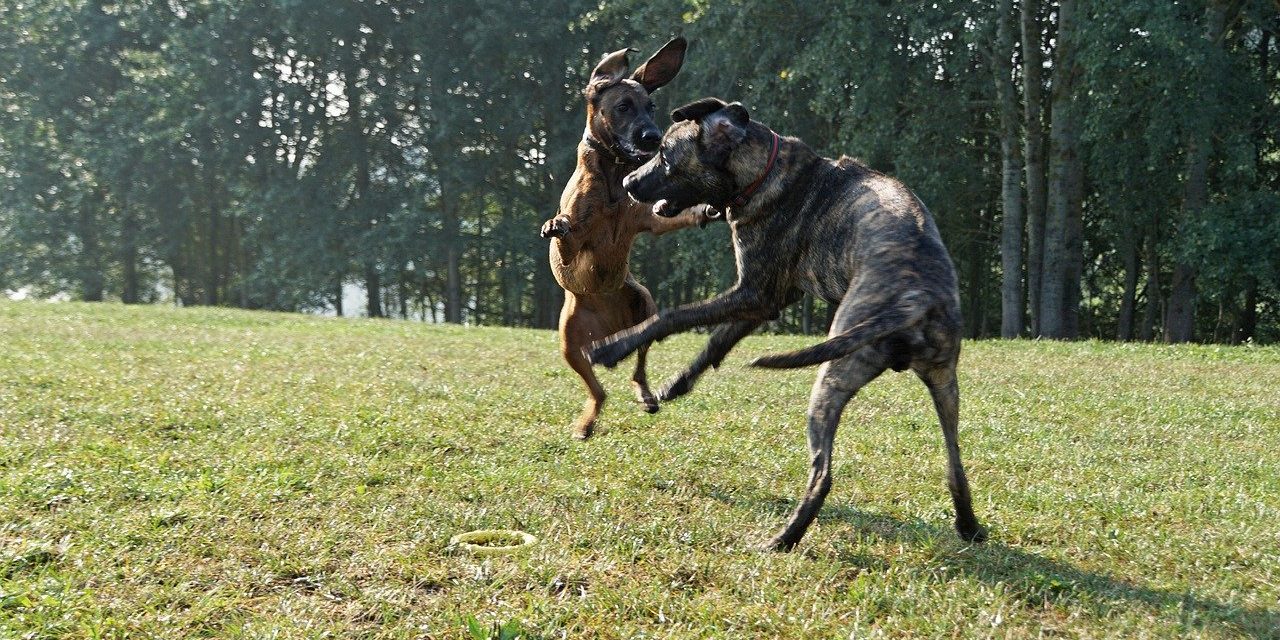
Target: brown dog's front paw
555, 228
706, 214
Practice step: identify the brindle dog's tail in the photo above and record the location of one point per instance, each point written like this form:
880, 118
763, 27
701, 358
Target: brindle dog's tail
902, 311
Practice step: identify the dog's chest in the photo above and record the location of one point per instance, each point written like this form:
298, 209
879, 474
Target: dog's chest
593, 258
793, 257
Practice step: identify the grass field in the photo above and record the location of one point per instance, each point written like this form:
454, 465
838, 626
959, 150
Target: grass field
218, 473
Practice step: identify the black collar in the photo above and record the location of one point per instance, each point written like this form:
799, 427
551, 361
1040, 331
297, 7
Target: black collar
602, 149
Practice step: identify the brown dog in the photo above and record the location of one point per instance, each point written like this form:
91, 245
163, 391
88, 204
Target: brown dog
597, 222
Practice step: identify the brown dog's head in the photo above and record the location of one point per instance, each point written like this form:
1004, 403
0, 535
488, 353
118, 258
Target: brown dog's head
619, 109
693, 165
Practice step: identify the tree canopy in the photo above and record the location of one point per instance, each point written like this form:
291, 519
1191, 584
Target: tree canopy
1097, 169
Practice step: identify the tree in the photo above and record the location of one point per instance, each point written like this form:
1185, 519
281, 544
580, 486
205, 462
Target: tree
1011, 291
1063, 197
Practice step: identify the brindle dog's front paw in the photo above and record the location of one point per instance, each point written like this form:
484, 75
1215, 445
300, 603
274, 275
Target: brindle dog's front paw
678, 386
608, 354
971, 532
555, 228
777, 544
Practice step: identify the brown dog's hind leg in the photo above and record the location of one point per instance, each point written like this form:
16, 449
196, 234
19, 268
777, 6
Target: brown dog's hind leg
585, 425
946, 400
837, 382
640, 305
579, 325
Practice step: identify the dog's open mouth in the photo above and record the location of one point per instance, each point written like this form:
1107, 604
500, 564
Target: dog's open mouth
630, 152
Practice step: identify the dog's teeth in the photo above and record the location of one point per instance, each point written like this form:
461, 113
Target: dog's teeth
659, 206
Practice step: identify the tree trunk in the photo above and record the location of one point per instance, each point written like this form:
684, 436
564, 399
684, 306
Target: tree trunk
977, 283
1248, 323
402, 292
479, 272
92, 281
1154, 300
1033, 110
1011, 293
363, 209
337, 298
373, 291
453, 259
211, 268
1179, 325
1074, 273
1063, 141
1124, 327
129, 255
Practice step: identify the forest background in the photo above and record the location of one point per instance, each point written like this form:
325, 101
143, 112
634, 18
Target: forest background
1097, 169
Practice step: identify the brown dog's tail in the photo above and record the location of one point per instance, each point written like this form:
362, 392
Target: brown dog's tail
900, 312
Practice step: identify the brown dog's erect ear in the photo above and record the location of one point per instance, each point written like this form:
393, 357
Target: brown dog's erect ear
698, 110
659, 69
610, 70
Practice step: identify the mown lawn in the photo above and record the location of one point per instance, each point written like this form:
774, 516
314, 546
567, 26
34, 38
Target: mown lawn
215, 473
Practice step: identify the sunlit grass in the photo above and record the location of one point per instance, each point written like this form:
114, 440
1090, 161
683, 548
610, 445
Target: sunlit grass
218, 473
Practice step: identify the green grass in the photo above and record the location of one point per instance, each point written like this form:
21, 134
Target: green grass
219, 473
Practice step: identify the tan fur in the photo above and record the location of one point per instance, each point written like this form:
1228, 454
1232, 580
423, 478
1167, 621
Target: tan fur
596, 225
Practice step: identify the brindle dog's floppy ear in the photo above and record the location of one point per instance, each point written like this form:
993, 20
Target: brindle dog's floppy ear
659, 69
698, 110
738, 114
610, 70
724, 130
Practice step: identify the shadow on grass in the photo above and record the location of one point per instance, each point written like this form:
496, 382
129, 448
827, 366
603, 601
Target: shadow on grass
1037, 580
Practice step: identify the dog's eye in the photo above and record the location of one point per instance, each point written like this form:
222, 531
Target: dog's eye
622, 108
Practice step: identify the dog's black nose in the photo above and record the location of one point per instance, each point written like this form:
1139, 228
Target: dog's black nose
649, 139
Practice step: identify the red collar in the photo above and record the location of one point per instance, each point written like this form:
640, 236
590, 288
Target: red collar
742, 198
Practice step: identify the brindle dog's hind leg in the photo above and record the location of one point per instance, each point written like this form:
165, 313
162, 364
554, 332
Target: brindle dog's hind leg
838, 380
946, 400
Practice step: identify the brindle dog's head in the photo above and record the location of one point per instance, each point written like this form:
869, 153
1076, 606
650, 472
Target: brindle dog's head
619, 109
693, 164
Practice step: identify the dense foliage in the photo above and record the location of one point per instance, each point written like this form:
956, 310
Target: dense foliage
263, 154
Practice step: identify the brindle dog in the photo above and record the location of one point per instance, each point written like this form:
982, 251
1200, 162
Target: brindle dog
597, 222
833, 228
